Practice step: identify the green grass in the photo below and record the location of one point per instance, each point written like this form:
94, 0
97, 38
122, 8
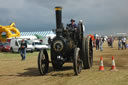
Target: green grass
14, 55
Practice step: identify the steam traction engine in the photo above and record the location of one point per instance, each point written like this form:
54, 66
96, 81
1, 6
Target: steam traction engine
68, 45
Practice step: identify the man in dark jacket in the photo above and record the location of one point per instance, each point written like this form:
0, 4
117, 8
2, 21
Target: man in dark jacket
72, 24
97, 43
23, 49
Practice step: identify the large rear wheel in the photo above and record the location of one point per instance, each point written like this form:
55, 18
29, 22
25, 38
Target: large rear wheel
87, 48
43, 62
77, 63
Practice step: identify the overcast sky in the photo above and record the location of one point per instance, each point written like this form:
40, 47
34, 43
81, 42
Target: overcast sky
99, 16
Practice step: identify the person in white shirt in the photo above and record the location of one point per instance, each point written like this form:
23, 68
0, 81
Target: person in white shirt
101, 44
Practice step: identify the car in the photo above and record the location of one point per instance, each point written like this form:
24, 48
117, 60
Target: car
5, 47
30, 47
38, 45
1, 46
15, 45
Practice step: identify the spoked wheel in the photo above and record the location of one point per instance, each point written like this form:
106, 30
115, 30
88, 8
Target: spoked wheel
43, 62
87, 49
77, 63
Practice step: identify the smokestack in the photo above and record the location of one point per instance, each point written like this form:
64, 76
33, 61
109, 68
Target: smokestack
58, 11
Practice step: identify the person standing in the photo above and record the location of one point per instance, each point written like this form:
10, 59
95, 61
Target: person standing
123, 43
108, 40
119, 44
111, 42
23, 49
101, 44
97, 43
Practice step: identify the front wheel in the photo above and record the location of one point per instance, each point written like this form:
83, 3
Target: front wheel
43, 62
77, 63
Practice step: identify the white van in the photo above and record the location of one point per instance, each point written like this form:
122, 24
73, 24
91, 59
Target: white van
38, 45
15, 45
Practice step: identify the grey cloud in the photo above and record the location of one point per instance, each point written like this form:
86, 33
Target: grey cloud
99, 15
11, 3
48, 3
4, 15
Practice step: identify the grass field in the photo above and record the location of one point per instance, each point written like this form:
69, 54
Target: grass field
13, 71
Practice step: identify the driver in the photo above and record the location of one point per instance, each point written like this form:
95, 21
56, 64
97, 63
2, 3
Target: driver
72, 24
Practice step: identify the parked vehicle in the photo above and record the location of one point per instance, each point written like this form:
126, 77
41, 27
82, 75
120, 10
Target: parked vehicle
38, 45
5, 47
30, 47
15, 45
1, 46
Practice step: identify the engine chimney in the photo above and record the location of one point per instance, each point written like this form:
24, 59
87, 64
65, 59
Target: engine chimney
58, 11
